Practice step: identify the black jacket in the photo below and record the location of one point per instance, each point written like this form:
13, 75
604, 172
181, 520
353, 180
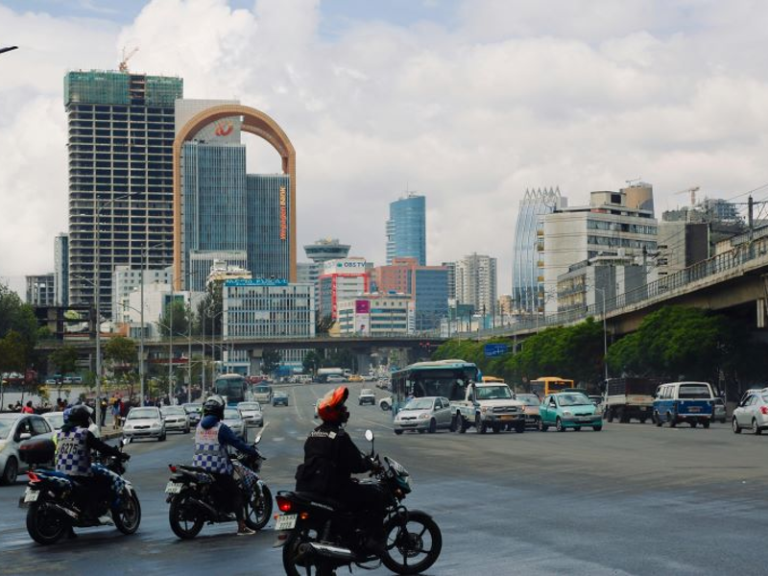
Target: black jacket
330, 459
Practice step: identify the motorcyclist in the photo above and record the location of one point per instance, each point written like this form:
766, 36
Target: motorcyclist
74, 443
211, 438
330, 459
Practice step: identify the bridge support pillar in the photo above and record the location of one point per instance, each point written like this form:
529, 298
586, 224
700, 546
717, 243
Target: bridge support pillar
363, 361
254, 361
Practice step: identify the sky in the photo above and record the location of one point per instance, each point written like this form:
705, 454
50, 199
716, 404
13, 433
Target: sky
468, 102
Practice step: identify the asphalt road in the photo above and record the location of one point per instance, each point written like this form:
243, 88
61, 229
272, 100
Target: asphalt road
632, 499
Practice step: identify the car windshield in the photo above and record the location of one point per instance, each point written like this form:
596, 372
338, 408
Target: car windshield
249, 406
529, 399
262, 389
137, 413
694, 391
5, 426
366, 392
419, 404
174, 410
573, 400
231, 414
55, 419
493, 392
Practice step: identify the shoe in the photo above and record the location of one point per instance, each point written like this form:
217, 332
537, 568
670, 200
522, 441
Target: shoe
246, 532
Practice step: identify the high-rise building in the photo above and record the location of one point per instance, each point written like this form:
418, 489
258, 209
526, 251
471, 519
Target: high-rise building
121, 132
268, 208
407, 229
127, 281
607, 227
451, 267
341, 280
61, 269
376, 315
201, 262
40, 290
527, 264
476, 283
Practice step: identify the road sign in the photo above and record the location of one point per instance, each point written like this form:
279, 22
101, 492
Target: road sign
492, 350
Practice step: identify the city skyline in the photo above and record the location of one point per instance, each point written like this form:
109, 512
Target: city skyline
471, 106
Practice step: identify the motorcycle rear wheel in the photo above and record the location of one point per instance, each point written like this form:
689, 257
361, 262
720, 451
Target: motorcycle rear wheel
414, 546
295, 565
185, 521
256, 517
128, 518
44, 525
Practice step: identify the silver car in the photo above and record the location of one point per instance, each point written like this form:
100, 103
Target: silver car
751, 413
251, 413
176, 418
145, 422
426, 414
235, 422
14, 429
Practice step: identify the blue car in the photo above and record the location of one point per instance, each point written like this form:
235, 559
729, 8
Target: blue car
569, 410
689, 402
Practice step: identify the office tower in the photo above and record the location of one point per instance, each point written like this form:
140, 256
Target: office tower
61, 269
476, 283
451, 267
40, 290
527, 263
127, 281
121, 132
269, 211
407, 229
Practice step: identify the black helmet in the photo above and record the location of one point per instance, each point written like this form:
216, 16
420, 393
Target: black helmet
214, 406
79, 415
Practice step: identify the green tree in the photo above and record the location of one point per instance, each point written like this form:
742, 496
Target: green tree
323, 324
18, 331
121, 352
312, 361
270, 361
209, 310
176, 317
14, 352
64, 361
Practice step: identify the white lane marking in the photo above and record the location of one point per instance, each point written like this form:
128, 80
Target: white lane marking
278, 439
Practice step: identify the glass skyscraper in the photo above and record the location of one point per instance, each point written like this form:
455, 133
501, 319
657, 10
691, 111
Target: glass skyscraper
407, 229
527, 265
120, 143
269, 211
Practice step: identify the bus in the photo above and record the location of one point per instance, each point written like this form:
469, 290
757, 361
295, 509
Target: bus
231, 387
446, 378
545, 385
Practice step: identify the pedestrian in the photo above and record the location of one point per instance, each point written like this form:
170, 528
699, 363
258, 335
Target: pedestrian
116, 414
103, 411
28, 408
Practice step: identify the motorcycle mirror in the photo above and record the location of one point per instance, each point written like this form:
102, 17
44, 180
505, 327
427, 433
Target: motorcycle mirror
369, 435
125, 441
258, 438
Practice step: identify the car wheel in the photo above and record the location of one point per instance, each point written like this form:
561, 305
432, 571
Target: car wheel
671, 420
656, 419
398, 432
577, 428
755, 428
11, 471
421, 430
597, 428
481, 426
541, 426
705, 424
432, 426
610, 415
693, 423
735, 426
559, 425
186, 430
496, 428
463, 424
162, 437
642, 420
520, 428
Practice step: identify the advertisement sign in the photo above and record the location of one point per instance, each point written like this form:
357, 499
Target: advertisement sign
283, 214
493, 350
362, 324
256, 282
362, 306
345, 265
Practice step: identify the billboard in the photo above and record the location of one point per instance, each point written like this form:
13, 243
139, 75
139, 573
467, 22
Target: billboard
345, 266
493, 350
362, 306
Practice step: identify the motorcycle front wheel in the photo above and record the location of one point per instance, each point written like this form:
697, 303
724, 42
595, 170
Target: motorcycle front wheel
413, 545
128, 517
258, 509
186, 522
45, 526
297, 563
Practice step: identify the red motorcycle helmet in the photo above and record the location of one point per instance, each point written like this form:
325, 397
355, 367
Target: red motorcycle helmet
332, 408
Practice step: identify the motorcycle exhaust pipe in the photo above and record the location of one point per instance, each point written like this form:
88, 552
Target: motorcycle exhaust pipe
330, 551
208, 510
61, 510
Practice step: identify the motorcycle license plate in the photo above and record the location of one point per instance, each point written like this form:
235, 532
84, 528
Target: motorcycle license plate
173, 488
31, 495
286, 522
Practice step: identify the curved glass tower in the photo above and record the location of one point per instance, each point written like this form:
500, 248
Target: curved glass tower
527, 264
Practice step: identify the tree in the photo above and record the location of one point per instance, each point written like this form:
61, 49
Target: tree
323, 324
209, 310
176, 317
121, 352
312, 361
18, 331
64, 361
270, 361
14, 352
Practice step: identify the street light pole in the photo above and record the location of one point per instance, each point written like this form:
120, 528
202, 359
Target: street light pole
605, 334
142, 374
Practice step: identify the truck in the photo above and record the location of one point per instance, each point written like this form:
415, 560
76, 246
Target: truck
627, 398
488, 406
331, 375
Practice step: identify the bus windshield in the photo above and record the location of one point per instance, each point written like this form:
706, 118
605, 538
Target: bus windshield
445, 378
231, 387
546, 385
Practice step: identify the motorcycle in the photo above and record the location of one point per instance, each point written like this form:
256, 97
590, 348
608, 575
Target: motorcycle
57, 502
195, 498
319, 533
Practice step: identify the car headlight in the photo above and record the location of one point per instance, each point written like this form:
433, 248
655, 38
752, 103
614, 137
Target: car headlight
567, 413
3, 444
424, 416
483, 409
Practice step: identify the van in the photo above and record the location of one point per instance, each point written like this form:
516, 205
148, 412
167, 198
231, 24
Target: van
262, 393
689, 402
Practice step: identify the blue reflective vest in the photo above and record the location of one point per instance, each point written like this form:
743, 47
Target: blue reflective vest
72, 454
210, 454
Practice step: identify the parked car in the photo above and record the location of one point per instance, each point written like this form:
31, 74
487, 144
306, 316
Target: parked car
751, 413
720, 413
689, 402
531, 408
280, 399
569, 410
367, 397
195, 412
425, 414
176, 418
15, 429
251, 413
145, 422
235, 422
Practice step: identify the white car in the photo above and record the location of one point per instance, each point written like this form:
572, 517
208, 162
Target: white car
251, 413
145, 422
367, 397
14, 429
235, 422
176, 418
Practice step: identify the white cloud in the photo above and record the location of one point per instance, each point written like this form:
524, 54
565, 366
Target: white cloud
583, 94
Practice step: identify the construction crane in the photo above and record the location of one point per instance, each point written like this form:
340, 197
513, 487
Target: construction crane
692, 191
123, 67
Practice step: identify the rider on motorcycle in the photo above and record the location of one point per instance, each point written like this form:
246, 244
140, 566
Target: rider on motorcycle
211, 437
330, 459
74, 443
